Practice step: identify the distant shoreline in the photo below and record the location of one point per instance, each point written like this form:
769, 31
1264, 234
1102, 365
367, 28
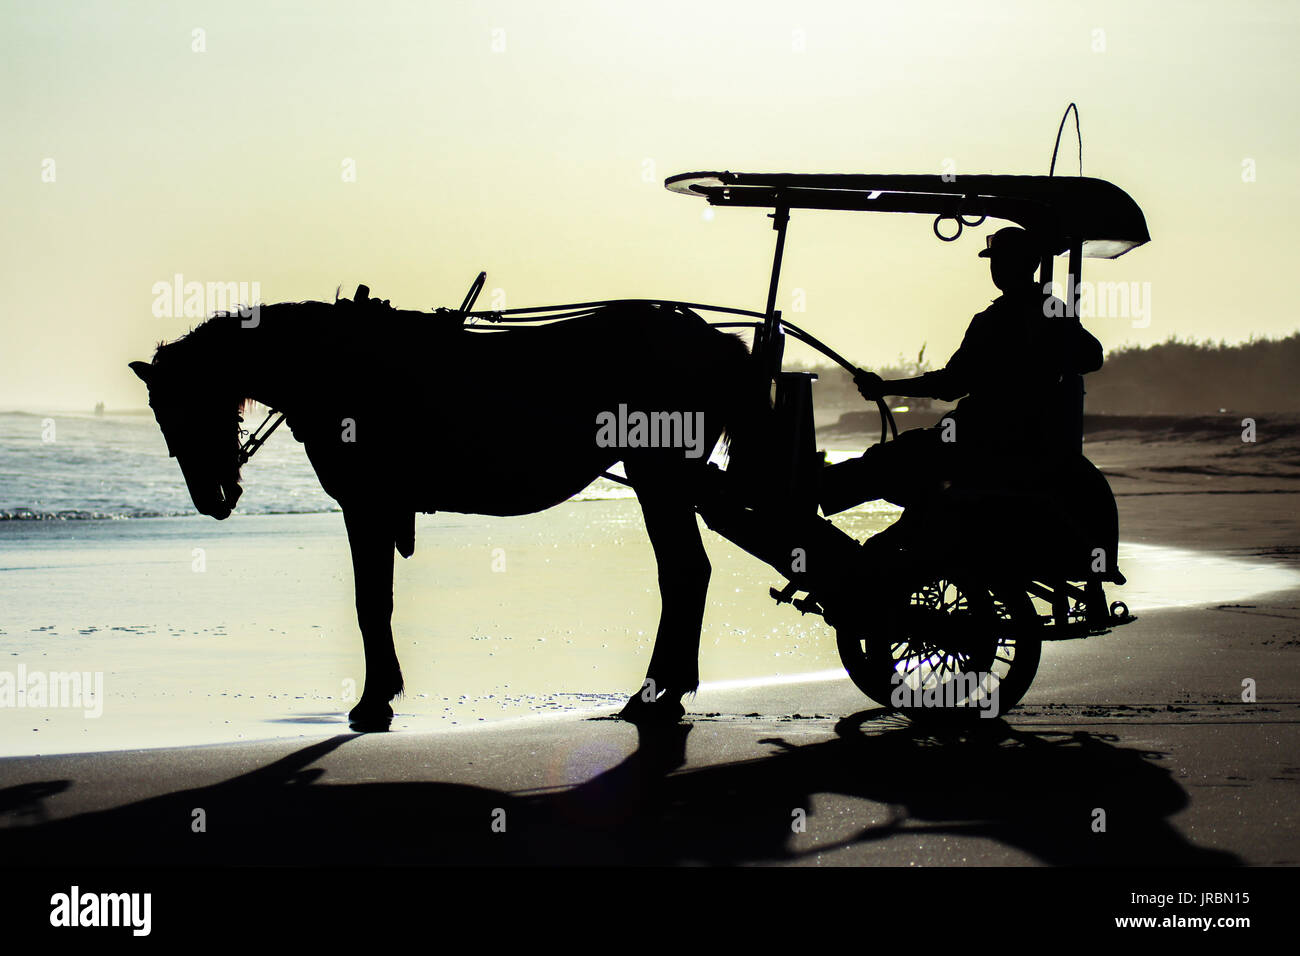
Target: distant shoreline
1280, 424
77, 412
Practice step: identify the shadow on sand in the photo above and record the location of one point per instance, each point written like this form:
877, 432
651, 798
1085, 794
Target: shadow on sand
1032, 791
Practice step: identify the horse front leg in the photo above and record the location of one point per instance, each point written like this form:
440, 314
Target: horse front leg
684, 572
371, 540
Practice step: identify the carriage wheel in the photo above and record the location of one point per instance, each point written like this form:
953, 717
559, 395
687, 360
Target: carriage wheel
949, 648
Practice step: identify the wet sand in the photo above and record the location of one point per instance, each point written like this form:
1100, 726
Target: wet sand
263, 641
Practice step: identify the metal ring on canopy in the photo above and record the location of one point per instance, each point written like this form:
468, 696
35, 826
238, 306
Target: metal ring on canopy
968, 222
955, 236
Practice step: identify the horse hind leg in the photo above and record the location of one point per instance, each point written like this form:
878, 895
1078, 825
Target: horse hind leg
684, 570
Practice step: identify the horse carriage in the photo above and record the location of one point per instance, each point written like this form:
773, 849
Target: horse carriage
964, 629
976, 582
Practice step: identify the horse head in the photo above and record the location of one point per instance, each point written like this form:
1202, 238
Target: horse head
201, 426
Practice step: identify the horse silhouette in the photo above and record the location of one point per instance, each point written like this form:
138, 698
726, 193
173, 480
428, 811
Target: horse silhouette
402, 411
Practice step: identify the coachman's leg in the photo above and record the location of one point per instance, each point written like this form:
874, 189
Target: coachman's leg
807, 549
905, 471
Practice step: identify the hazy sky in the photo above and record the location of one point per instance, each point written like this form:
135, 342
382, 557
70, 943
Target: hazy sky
543, 162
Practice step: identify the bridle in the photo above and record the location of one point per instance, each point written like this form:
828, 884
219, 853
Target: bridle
259, 436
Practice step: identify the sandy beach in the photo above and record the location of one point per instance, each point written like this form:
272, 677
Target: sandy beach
232, 682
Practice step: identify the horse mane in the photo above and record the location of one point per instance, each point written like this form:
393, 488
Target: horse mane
201, 350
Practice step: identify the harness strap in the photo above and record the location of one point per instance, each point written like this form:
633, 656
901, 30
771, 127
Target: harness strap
258, 438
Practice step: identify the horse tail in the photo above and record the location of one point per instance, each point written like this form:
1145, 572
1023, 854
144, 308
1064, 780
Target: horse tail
745, 398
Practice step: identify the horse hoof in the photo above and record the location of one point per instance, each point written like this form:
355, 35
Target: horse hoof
368, 719
665, 710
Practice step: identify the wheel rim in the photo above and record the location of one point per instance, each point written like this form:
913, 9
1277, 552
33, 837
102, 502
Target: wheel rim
952, 648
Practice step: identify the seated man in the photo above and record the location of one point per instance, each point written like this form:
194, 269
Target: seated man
1013, 428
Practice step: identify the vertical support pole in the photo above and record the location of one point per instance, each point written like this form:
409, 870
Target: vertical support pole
1074, 387
754, 465
1076, 277
780, 219
768, 343
773, 344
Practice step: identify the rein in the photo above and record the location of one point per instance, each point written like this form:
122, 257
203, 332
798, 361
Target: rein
549, 313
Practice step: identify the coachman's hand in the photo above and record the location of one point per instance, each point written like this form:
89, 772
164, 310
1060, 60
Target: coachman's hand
871, 385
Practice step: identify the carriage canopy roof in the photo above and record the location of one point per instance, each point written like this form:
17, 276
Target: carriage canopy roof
1067, 209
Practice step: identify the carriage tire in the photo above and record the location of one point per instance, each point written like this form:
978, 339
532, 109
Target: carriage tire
951, 628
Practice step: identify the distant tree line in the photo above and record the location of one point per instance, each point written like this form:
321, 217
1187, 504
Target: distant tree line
1198, 378
1171, 378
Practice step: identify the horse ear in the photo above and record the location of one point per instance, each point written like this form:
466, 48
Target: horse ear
144, 370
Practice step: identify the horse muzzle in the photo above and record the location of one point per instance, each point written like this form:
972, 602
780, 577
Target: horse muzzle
219, 502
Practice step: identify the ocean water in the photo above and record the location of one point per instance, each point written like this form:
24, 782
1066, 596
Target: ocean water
68, 467
65, 467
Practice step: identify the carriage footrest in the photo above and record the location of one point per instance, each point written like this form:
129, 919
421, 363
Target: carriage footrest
1080, 628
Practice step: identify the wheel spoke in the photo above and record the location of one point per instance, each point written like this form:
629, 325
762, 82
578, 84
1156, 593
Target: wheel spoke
948, 638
